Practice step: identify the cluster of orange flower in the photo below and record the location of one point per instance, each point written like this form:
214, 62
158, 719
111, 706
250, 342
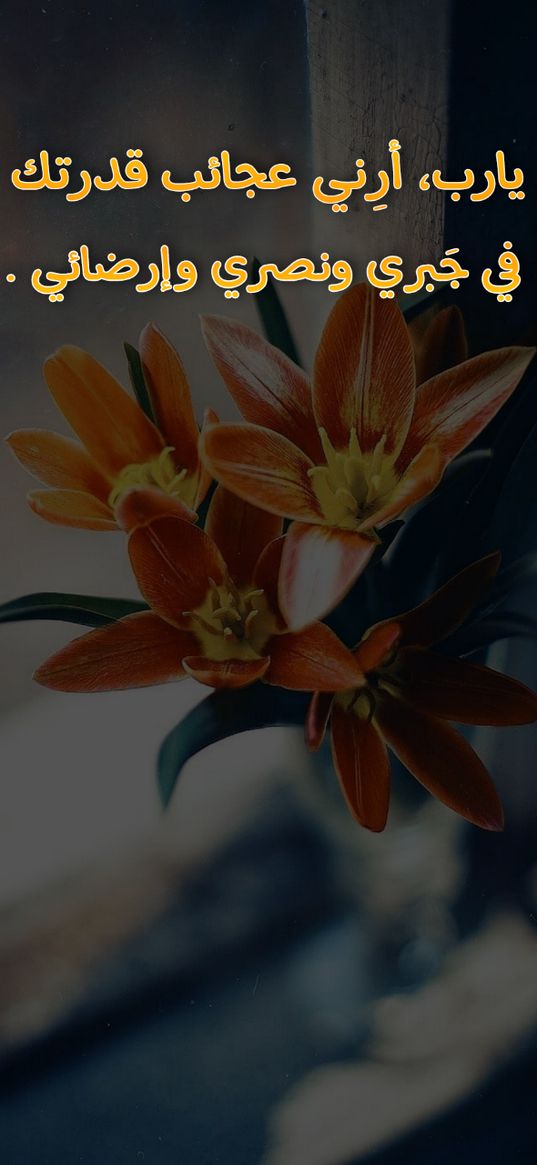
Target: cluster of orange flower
306, 484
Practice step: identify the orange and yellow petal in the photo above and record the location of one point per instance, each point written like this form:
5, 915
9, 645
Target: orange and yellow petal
419, 479
58, 461
312, 660
205, 478
467, 692
263, 468
170, 397
319, 565
266, 576
438, 343
453, 408
268, 388
441, 760
379, 642
318, 715
137, 507
71, 507
362, 765
174, 562
133, 653
241, 532
364, 372
105, 418
446, 610
225, 673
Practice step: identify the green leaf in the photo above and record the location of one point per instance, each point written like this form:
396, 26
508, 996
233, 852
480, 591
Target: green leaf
137, 380
370, 599
273, 317
222, 714
426, 535
511, 524
517, 575
88, 610
494, 518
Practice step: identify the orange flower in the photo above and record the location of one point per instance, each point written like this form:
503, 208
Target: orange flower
410, 692
118, 446
214, 613
438, 340
347, 457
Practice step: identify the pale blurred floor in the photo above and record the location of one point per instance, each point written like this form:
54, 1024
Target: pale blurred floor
78, 786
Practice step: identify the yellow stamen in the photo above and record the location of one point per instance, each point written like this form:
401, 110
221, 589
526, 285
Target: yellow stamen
358, 701
228, 625
361, 702
161, 473
352, 485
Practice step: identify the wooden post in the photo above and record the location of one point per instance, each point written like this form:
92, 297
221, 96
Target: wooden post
379, 70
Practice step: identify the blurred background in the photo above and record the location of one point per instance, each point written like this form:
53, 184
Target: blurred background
245, 979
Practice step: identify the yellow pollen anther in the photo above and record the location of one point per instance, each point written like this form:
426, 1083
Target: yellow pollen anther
197, 618
248, 623
227, 612
161, 473
353, 484
232, 622
347, 498
359, 701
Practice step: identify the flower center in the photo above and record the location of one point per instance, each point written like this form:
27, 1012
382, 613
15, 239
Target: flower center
352, 485
232, 623
161, 473
362, 701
